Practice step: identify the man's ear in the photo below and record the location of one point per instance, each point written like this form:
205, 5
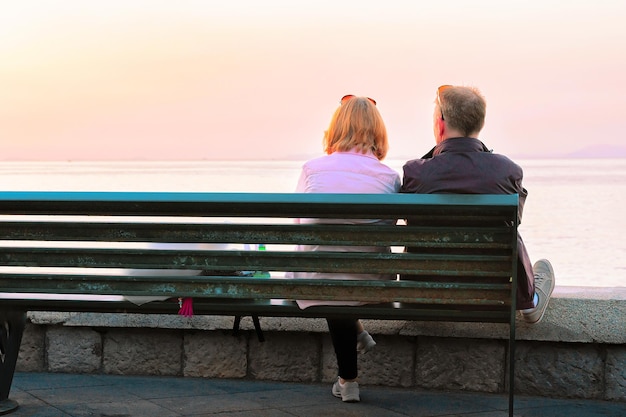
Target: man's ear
440, 129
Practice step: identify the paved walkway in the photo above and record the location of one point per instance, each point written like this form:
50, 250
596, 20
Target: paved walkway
64, 395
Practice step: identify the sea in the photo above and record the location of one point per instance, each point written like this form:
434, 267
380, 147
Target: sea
574, 213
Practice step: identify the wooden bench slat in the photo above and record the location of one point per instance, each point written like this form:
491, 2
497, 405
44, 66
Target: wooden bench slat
349, 262
255, 288
454, 236
273, 308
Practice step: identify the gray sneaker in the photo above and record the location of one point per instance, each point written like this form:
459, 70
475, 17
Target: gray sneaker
364, 342
348, 392
544, 285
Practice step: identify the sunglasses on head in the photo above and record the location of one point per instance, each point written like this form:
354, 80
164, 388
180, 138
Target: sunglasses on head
439, 91
349, 96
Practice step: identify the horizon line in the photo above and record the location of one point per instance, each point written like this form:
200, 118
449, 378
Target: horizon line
290, 158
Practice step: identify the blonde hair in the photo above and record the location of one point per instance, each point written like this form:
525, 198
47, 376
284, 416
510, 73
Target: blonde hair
463, 108
357, 125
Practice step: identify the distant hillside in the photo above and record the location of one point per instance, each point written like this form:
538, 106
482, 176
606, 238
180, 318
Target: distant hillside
599, 151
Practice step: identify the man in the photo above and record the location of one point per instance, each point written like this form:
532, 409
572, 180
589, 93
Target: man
461, 163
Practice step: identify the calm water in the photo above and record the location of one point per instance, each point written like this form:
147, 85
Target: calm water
573, 214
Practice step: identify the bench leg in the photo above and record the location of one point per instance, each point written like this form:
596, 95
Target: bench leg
511, 376
11, 329
511, 355
257, 327
236, 325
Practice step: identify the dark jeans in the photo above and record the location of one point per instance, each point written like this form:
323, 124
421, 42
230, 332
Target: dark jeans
343, 333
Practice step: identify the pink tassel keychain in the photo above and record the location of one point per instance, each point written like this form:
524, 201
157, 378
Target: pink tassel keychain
186, 306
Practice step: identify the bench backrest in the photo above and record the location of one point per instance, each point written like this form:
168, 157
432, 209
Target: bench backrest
463, 255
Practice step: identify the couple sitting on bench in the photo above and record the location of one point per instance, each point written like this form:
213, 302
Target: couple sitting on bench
355, 143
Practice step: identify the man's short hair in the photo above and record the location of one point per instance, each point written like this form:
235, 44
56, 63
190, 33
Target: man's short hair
463, 109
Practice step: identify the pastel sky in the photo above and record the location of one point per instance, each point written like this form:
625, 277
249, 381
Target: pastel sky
203, 79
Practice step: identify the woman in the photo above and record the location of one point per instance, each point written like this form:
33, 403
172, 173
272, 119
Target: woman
355, 143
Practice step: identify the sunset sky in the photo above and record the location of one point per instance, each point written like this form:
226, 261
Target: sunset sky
246, 79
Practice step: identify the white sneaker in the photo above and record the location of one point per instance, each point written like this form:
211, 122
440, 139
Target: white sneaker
364, 342
544, 285
348, 392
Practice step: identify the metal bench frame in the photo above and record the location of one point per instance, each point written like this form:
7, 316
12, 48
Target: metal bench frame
462, 260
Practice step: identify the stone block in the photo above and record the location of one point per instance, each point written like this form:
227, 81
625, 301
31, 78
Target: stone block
579, 317
149, 321
615, 374
215, 354
287, 324
284, 357
143, 352
445, 329
73, 350
32, 350
460, 364
559, 370
389, 363
49, 317
329, 360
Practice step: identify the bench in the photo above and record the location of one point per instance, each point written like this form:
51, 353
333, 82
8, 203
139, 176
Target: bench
463, 260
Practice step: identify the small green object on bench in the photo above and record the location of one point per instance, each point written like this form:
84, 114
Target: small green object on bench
464, 259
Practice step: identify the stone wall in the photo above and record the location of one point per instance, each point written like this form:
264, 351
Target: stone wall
577, 351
